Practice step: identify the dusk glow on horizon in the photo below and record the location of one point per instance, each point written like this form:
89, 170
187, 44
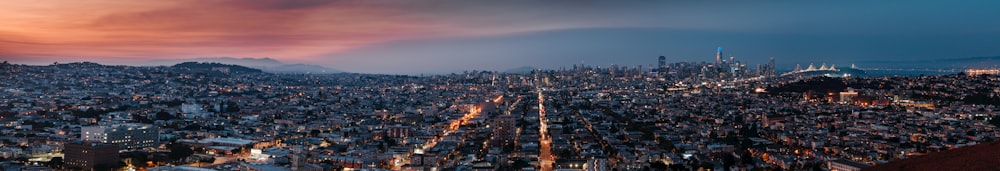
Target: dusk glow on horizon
546, 85
449, 35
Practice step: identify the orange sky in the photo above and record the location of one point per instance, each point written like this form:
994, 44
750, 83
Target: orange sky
414, 36
297, 31
292, 30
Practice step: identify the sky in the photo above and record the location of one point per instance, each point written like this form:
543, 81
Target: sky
443, 36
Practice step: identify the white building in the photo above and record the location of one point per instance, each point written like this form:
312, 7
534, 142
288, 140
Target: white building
845, 97
128, 136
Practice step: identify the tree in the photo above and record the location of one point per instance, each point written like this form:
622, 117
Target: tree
163, 115
138, 158
658, 165
180, 151
995, 122
90, 113
233, 108
390, 142
56, 162
314, 133
193, 127
21, 159
160, 158
728, 160
518, 164
141, 119
207, 160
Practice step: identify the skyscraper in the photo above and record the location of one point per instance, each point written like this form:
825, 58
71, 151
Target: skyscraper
770, 67
663, 64
761, 70
718, 56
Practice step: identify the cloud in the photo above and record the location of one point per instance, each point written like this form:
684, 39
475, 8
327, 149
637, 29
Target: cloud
301, 30
331, 32
298, 30
289, 29
284, 5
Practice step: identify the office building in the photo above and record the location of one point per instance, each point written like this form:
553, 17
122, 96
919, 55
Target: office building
845, 97
718, 56
662, 64
129, 136
769, 69
504, 129
90, 155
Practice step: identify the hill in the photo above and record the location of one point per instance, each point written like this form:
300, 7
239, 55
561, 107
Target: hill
816, 84
248, 62
264, 64
195, 66
977, 157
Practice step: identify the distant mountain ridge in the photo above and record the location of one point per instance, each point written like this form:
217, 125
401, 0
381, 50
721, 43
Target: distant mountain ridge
264, 64
301, 68
214, 66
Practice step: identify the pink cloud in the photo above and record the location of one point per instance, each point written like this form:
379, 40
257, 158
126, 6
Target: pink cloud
295, 30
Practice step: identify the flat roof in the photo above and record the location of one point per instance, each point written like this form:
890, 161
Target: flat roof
189, 168
230, 141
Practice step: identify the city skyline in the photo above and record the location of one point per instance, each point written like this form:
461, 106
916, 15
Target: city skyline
518, 85
682, 116
415, 37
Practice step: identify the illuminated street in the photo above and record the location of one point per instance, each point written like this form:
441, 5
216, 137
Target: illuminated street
319, 85
545, 156
474, 111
